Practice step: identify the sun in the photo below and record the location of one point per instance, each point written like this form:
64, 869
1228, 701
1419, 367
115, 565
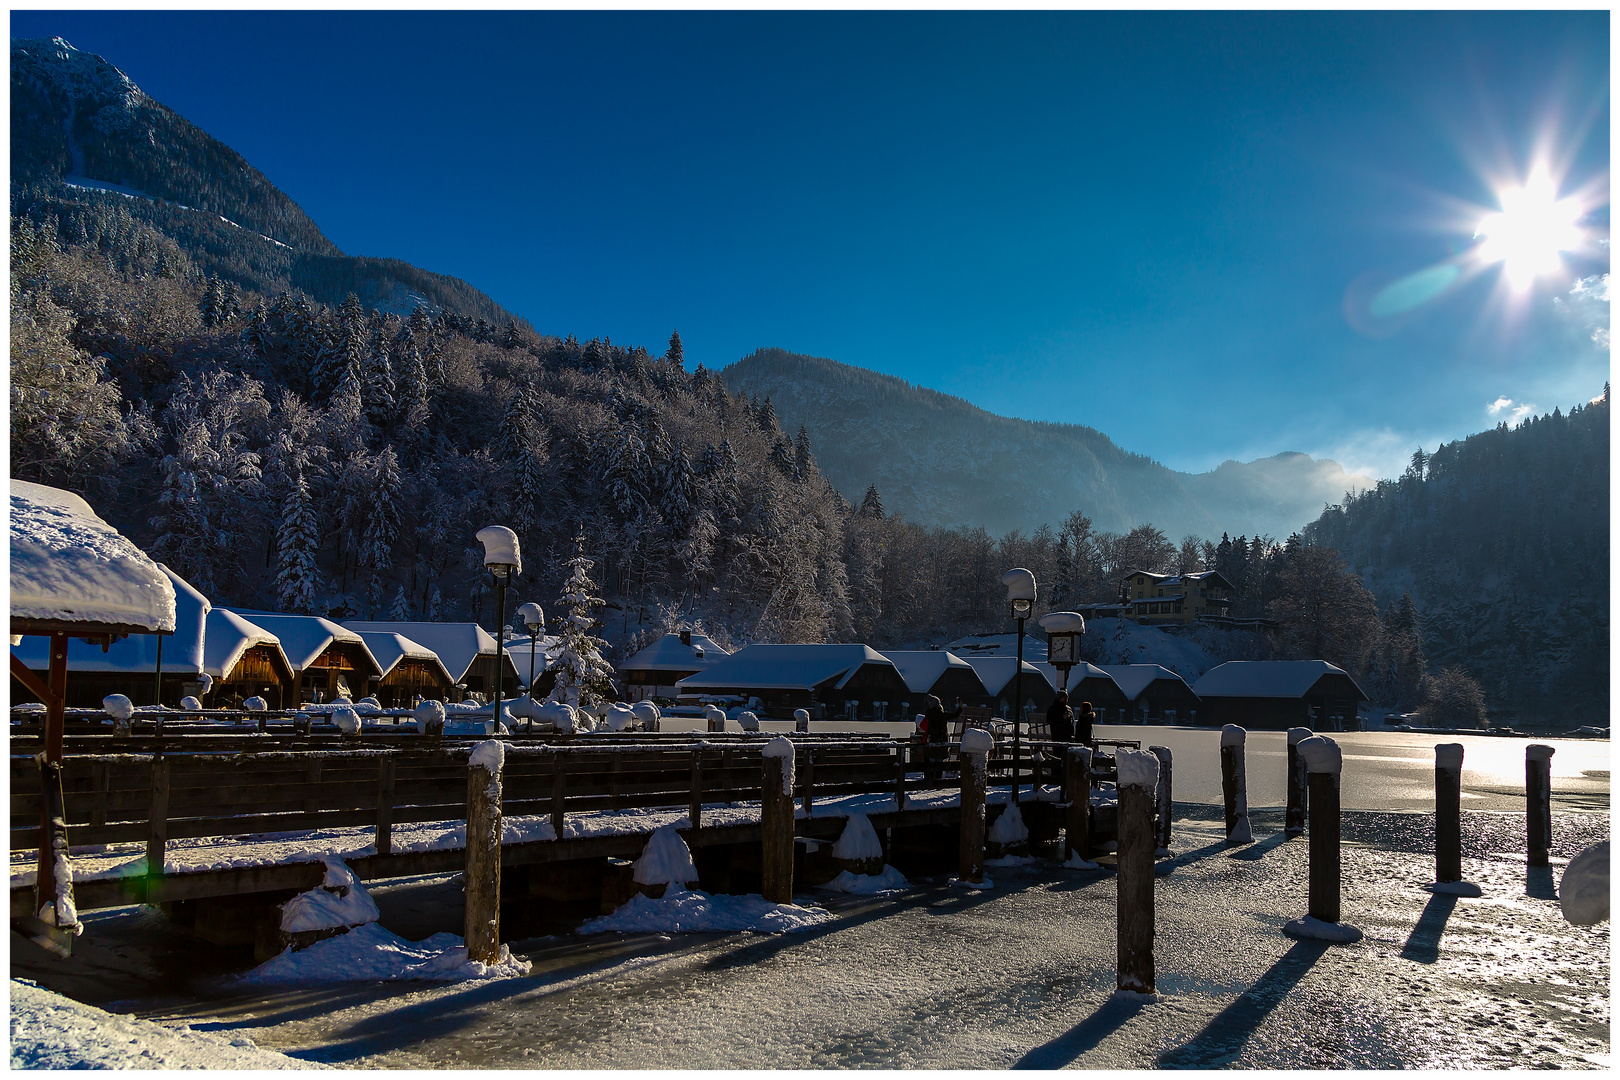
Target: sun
1532, 230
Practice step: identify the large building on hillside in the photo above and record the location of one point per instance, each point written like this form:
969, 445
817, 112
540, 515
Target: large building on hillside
1176, 599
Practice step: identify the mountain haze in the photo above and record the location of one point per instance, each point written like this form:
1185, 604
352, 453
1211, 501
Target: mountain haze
942, 461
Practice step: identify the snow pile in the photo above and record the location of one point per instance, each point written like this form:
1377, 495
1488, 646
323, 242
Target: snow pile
977, 741
371, 953
1008, 828
368, 705
118, 707
1456, 888
680, 910
782, 747
891, 880
620, 717
190, 704
256, 704
1137, 768
1321, 755
666, 860
647, 714
858, 841
747, 721
49, 1031
340, 900
1310, 927
1449, 756
346, 719
1076, 861
429, 717
1583, 894
559, 714
489, 755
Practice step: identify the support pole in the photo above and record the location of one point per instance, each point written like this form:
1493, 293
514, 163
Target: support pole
1018, 711
157, 823
1077, 789
1138, 780
1163, 793
974, 767
157, 679
1234, 785
1448, 758
1294, 819
776, 820
1538, 803
482, 880
500, 648
385, 806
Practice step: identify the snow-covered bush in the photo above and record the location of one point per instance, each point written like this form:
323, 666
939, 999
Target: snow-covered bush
583, 676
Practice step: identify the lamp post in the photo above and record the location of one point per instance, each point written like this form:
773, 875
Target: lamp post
505, 562
535, 620
1021, 597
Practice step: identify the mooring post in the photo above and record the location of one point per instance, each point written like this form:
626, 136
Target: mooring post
483, 868
776, 820
1294, 819
385, 806
1538, 803
1163, 795
1077, 789
801, 721
1234, 785
1324, 762
1138, 776
974, 767
1448, 759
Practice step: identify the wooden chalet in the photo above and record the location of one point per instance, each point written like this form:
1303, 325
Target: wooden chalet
834, 681
1154, 692
466, 649
1279, 694
409, 671
941, 673
245, 661
654, 671
996, 673
328, 660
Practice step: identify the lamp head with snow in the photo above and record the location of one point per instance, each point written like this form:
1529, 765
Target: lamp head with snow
1020, 591
532, 616
1064, 629
501, 553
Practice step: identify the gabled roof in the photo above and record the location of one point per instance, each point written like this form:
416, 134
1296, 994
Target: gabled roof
785, 667
305, 637
669, 654
390, 648
1077, 674
457, 644
137, 653
997, 671
1267, 678
1132, 679
69, 566
228, 636
921, 670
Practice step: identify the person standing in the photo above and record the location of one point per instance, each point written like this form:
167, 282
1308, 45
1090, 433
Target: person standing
1082, 723
1060, 718
938, 722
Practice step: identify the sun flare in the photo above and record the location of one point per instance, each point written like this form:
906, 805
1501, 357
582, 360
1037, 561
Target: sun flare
1532, 230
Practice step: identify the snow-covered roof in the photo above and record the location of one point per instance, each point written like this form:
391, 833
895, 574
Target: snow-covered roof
785, 667
1266, 678
68, 565
390, 648
305, 637
457, 644
922, 670
1077, 673
999, 645
228, 636
997, 671
1132, 679
137, 653
668, 653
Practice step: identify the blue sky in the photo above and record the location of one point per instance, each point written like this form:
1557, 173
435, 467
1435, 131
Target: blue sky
1171, 227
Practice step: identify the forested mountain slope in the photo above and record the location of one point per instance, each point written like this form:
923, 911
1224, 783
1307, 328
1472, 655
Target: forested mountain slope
1503, 539
85, 140
940, 460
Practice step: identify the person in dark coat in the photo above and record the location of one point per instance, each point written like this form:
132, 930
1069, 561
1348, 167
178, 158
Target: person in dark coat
1083, 722
1060, 718
939, 730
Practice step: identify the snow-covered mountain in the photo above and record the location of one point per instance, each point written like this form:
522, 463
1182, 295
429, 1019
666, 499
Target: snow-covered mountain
939, 460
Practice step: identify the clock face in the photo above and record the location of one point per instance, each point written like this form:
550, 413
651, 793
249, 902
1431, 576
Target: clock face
1061, 649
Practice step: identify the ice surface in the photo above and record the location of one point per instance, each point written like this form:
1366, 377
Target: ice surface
49, 1031
1321, 755
1308, 927
1232, 735
977, 741
680, 910
370, 953
490, 755
1449, 756
1583, 894
117, 706
1137, 768
340, 900
1008, 828
890, 880
858, 840
666, 860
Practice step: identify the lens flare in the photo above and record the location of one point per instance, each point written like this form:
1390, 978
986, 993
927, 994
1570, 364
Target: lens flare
1532, 231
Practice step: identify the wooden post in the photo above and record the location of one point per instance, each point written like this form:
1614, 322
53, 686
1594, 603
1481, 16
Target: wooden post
1234, 785
974, 767
1077, 790
696, 811
1138, 781
54, 847
483, 868
1538, 803
312, 777
1163, 796
157, 819
1448, 759
776, 820
559, 788
1323, 761
385, 806
809, 780
900, 777
1294, 818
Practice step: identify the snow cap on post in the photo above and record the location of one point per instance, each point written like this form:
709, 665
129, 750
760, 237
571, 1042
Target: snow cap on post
1232, 735
748, 721
117, 706
648, 714
1538, 752
500, 547
977, 741
256, 704
1297, 735
1063, 622
782, 747
346, 719
713, 712
801, 716
1137, 768
619, 716
559, 713
190, 704
488, 755
1448, 756
1020, 584
1321, 755
429, 716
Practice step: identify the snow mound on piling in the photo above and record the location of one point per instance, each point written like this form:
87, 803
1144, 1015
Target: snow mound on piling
666, 860
117, 706
858, 840
340, 900
680, 910
1009, 827
370, 953
891, 880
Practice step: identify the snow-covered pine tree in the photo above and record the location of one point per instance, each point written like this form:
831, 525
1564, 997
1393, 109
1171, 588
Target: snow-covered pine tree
766, 418
211, 306
377, 385
256, 334
400, 609
510, 339
782, 457
804, 463
382, 525
678, 490
297, 543
676, 355
872, 504
584, 678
